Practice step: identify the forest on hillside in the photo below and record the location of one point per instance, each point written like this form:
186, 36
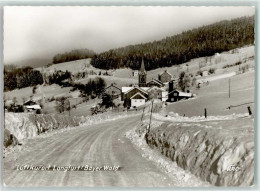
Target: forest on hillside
21, 77
73, 55
177, 49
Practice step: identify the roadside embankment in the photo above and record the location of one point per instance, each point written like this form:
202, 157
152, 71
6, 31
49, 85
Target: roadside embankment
220, 152
21, 126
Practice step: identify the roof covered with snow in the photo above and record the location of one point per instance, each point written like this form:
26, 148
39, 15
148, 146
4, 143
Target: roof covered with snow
182, 94
33, 107
138, 93
165, 71
126, 89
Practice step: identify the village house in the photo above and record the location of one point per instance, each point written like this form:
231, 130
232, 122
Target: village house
155, 82
164, 96
134, 96
154, 93
205, 73
31, 105
135, 73
165, 77
113, 91
176, 95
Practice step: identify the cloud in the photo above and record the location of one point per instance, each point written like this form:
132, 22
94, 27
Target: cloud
45, 31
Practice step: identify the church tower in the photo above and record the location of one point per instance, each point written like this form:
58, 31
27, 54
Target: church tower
142, 76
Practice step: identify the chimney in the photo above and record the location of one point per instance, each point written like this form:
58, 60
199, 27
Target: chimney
171, 86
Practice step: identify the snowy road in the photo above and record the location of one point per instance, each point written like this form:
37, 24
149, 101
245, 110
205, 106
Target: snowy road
96, 146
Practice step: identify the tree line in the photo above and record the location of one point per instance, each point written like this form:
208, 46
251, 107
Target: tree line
177, 49
93, 88
73, 55
21, 78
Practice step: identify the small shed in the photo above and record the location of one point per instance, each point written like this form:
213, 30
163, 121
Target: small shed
177, 95
29, 102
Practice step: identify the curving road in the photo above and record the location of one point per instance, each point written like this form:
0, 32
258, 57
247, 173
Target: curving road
96, 146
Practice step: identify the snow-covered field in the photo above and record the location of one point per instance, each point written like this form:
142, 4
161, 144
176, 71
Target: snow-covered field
215, 97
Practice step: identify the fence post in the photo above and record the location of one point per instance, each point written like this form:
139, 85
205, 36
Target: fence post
249, 110
142, 114
205, 112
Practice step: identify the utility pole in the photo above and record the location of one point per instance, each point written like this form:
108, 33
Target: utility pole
69, 108
229, 87
150, 118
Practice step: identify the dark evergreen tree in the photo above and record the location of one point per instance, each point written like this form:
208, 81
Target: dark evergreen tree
174, 50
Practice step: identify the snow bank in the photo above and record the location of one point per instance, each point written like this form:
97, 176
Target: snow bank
26, 125
220, 152
180, 177
22, 126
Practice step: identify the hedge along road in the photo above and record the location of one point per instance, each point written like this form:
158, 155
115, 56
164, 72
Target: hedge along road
89, 150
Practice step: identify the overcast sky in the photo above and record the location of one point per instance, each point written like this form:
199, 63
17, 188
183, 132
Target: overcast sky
41, 32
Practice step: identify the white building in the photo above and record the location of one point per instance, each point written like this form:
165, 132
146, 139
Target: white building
135, 73
164, 95
205, 73
137, 100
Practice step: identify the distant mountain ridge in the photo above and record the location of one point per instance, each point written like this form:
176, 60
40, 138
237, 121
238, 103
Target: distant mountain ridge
32, 62
77, 54
200, 42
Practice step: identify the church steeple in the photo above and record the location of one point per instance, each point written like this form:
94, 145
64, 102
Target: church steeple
142, 66
142, 75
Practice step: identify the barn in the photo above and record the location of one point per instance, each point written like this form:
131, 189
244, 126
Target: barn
165, 77
113, 91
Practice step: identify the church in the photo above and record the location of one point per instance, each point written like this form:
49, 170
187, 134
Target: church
137, 95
